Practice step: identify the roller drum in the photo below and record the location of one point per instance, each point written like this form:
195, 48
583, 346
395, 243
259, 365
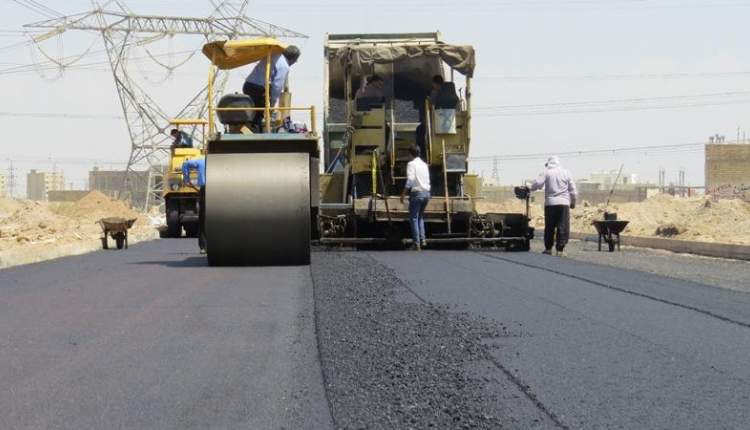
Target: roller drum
258, 209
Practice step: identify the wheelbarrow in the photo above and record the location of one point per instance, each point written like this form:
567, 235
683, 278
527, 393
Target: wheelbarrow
117, 229
609, 230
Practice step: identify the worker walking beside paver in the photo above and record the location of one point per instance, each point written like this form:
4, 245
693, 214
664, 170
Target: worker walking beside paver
559, 198
418, 187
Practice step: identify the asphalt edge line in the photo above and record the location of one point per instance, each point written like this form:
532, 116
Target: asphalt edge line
318, 352
622, 290
525, 389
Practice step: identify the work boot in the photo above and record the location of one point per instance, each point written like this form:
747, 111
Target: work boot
424, 243
416, 247
561, 253
547, 252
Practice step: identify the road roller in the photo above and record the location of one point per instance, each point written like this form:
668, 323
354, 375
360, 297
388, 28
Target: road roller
425, 101
180, 199
261, 194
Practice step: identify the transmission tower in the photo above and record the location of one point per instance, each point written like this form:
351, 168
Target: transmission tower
495, 171
147, 123
11, 184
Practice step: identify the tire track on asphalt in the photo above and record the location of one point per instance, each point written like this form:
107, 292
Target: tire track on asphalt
316, 324
620, 289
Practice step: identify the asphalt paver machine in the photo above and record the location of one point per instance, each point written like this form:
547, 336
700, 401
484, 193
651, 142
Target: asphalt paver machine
366, 143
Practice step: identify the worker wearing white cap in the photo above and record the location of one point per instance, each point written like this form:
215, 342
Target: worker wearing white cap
559, 198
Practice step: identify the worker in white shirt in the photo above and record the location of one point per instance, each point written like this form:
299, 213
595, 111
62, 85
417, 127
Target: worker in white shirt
418, 187
560, 196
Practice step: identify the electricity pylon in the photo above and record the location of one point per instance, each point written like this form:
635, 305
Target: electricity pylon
147, 123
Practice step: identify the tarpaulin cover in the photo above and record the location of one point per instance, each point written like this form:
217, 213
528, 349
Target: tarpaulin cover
363, 58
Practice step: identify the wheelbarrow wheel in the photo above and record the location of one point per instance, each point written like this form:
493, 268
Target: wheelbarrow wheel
611, 245
120, 242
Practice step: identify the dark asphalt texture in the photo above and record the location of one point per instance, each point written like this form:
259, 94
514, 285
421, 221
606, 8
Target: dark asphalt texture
392, 361
600, 347
150, 338
153, 338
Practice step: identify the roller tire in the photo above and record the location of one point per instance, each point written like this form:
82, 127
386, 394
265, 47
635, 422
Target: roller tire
174, 229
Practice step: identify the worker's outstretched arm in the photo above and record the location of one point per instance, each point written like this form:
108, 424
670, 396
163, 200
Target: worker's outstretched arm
411, 179
573, 192
278, 79
538, 183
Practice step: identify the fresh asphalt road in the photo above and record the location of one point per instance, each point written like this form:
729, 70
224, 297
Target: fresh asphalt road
152, 338
601, 347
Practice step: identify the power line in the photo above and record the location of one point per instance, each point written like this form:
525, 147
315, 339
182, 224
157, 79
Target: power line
610, 101
52, 115
608, 151
38, 8
611, 109
605, 77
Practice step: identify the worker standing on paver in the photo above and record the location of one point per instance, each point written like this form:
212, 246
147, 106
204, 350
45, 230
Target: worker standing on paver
559, 198
418, 187
198, 165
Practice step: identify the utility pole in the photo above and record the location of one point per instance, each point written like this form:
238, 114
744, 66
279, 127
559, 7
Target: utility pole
148, 126
681, 181
495, 171
11, 184
662, 179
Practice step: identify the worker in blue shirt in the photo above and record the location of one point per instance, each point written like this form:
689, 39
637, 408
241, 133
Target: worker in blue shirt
255, 84
198, 165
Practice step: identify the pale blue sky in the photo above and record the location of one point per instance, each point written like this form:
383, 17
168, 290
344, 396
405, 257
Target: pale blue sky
533, 52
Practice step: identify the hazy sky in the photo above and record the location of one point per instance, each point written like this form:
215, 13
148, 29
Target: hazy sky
656, 72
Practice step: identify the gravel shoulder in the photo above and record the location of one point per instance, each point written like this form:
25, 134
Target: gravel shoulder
716, 272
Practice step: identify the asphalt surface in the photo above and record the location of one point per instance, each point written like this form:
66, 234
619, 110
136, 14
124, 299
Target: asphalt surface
152, 338
600, 347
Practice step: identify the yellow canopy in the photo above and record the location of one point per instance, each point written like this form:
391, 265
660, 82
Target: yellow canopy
237, 53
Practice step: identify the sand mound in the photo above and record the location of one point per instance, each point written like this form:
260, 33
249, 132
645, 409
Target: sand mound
696, 218
8, 206
96, 205
56, 224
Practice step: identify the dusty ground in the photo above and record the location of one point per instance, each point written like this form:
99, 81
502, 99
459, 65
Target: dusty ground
35, 231
698, 218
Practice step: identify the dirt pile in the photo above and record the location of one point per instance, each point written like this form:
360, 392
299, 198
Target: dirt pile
96, 205
696, 218
28, 228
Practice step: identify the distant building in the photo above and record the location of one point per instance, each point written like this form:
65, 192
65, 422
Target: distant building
112, 183
38, 184
728, 170
3, 186
605, 180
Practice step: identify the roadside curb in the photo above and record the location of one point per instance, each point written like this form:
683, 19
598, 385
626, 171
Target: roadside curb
719, 250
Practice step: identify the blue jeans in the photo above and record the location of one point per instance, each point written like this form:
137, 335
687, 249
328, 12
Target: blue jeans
417, 204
